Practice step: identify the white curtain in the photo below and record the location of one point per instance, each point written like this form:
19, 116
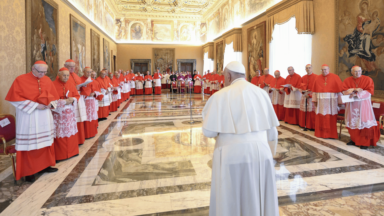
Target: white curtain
288, 48
208, 64
231, 55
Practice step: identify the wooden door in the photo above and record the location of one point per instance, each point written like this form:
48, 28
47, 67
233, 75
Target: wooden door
141, 67
186, 67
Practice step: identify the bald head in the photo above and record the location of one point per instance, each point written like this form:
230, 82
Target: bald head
356, 72
291, 70
63, 75
277, 74
266, 71
87, 72
103, 73
308, 68
325, 70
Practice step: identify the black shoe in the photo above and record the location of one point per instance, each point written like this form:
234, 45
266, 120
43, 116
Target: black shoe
363, 147
30, 178
50, 170
351, 143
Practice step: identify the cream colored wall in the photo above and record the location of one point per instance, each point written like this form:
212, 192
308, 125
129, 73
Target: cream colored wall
144, 51
12, 43
324, 39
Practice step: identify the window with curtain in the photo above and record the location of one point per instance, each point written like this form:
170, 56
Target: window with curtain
288, 48
231, 55
208, 64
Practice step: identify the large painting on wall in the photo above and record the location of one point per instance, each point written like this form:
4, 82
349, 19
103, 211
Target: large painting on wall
42, 35
360, 39
162, 31
106, 55
256, 48
78, 44
95, 51
219, 56
164, 58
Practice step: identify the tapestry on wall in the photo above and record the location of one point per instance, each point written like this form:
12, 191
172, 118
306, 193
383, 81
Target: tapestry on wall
256, 49
42, 35
219, 56
164, 58
360, 39
78, 44
106, 55
95, 51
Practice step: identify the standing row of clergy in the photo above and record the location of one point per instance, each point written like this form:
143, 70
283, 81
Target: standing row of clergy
54, 118
315, 101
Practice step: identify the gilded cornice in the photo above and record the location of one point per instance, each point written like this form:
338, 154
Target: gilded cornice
282, 6
208, 44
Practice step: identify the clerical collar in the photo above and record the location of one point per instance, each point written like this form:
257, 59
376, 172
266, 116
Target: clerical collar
326, 75
61, 81
237, 80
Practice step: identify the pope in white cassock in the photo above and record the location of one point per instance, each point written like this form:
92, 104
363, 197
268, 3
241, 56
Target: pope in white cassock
243, 121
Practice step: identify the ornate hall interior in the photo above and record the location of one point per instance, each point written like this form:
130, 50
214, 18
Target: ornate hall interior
150, 157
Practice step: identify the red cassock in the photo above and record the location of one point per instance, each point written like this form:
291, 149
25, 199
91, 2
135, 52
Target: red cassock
103, 111
132, 77
207, 89
359, 117
148, 90
215, 79
90, 126
115, 95
65, 147
255, 80
119, 82
292, 114
307, 113
26, 87
127, 82
139, 91
197, 88
157, 77
326, 91
266, 80
278, 98
75, 80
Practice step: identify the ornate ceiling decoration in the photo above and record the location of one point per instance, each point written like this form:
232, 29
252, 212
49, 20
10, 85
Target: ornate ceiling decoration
163, 9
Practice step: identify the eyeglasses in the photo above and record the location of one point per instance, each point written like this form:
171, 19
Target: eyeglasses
42, 72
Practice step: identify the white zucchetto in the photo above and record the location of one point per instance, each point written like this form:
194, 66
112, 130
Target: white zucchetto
236, 66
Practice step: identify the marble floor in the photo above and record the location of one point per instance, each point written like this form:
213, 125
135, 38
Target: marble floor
148, 159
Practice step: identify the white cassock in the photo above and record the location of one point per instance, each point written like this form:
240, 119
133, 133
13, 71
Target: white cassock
242, 119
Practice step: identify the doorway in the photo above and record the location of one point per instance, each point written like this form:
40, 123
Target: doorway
141, 67
186, 67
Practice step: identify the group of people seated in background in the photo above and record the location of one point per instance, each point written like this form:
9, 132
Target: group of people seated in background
315, 102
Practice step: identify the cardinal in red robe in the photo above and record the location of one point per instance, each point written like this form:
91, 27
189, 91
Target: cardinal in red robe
105, 102
278, 95
292, 97
359, 116
33, 95
81, 111
265, 82
307, 117
148, 84
157, 80
115, 93
326, 97
255, 80
139, 84
206, 80
132, 77
198, 81
64, 117
90, 92
215, 82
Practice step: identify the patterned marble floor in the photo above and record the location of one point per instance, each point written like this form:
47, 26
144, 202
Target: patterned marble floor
147, 159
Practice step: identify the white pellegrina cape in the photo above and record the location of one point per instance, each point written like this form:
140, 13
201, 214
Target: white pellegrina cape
242, 119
